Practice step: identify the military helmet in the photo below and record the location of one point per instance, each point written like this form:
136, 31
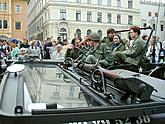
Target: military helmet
94, 37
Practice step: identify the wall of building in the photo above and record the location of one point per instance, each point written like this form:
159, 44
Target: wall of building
44, 16
11, 16
19, 17
153, 7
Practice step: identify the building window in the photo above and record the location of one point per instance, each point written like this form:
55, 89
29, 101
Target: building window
18, 25
100, 33
63, 33
18, 9
118, 19
5, 24
161, 27
0, 6
156, 14
4, 6
89, 2
118, 3
99, 2
99, 17
78, 1
109, 2
56, 91
89, 32
89, 16
78, 32
78, 15
130, 20
71, 91
130, 3
62, 14
149, 14
109, 18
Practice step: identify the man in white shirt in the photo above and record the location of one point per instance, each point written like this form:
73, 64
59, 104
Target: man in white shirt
58, 54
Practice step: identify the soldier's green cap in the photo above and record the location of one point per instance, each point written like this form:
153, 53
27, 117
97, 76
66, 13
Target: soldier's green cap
94, 37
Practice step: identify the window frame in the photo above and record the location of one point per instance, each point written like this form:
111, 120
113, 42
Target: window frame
62, 14
99, 17
89, 16
18, 10
78, 15
109, 20
16, 25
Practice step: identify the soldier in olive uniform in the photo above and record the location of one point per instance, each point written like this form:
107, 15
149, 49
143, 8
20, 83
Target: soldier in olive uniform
99, 52
134, 53
109, 39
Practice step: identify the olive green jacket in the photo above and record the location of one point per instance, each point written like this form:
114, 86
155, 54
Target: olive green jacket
108, 42
120, 48
134, 53
103, 53
72, 53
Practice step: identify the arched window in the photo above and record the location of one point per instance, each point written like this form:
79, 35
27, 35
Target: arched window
63, 30
3, 37
63, 33
78, 31
100, 33
89, 32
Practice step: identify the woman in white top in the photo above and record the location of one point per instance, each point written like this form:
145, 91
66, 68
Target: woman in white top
34, 50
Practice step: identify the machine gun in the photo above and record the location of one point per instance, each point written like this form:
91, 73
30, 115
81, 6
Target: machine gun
132, 84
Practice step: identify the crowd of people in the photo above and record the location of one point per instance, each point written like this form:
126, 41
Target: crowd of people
108, 51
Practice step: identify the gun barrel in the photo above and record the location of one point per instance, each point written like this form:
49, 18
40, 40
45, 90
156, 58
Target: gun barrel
126, 30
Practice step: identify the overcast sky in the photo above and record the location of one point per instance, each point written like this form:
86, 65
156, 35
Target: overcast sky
157, 0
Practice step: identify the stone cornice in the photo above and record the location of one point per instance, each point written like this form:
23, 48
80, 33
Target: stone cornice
152, 3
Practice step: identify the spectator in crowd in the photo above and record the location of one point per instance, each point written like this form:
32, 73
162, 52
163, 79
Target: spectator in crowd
58, 54
22, 54
15, 49
47, 47
163, 48
34, 50
65, 46
59, 41
25, 43
2, 47
53, 48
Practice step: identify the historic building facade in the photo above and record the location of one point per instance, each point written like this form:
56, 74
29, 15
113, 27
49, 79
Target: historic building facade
53, 18
13, 19
153, 14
